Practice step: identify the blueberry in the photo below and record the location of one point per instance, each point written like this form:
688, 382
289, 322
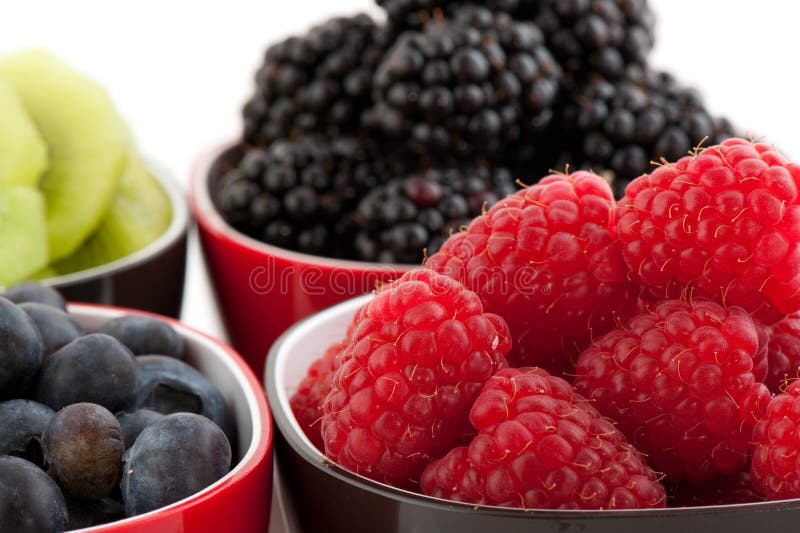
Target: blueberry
172, 459
93, 513
33, 292
95, 368
83, 450
22, 423
145, 336
133, 423
55, 326
29, 500
20, 350
169, 386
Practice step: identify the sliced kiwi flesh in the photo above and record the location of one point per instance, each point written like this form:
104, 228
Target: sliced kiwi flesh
23, 234
23, 152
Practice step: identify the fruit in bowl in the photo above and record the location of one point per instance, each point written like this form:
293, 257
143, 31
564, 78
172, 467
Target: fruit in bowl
121, 441
76, 194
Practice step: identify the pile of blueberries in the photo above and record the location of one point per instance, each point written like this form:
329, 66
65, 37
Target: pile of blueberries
95, 427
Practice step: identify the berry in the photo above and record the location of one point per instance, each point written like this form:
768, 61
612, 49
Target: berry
294, 193
784, 353
30, 501
83, 450
94, 368
774, 470
678, 380
474, 83
728, 490
172, 459
319, 82
419, 354
34, 292
414, 14
93, 513
56, 327
542, 446
132, 424
621, 127
406, 216
545, 260
23, 422
722, 224
20, 350
144, 335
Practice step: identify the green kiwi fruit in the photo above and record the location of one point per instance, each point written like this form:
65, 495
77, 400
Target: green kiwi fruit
23, 153
23, 233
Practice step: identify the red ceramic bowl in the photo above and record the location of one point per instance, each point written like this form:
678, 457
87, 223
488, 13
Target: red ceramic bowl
240, 501
263, 289
322, 496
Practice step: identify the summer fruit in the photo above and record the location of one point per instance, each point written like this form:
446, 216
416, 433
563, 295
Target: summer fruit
144, 335
774, 470
419, 354
30, 502
723, 224
20, 350
95, 368
23, 232
23, 422
726, 490
133, 423
474, 83
678, 381
139, 213
544, 258
540, 445
37, 293
23, 157
83, 450
56, 327
84, 169
784, 353
171, 459
93, 513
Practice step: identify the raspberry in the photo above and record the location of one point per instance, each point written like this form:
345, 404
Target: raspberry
679, 381
542, 446
775, 469
784, 352
544, 258
724, 224
420, 352
726, 490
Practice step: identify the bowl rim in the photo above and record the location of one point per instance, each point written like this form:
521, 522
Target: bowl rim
260, 446
290, 430
209, 219
178, 228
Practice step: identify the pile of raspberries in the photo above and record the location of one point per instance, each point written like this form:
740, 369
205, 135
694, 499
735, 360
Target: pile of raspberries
570, 351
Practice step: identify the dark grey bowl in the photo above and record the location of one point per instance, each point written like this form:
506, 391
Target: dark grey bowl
150, 279
321, 496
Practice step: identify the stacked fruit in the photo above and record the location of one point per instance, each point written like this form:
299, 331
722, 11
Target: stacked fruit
570, 351
470, 97
74, 192
66, 460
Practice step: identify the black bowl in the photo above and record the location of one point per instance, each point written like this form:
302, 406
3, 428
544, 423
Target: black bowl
321, 496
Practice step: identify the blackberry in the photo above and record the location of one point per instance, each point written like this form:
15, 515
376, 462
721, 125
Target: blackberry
406, 216
471, 84
414, 14
319, 82
618, 129
594, 36
293, 193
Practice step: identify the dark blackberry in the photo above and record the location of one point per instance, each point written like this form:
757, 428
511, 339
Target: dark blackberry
414, 14
319, 82
471, 84
400, 219
293, 194
619, 128
594, 36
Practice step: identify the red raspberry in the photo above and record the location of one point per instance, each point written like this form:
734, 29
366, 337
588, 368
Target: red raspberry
679, 382
545, 260
775, 469
420, 353
724, 223
783, 352
726, 490
542, 446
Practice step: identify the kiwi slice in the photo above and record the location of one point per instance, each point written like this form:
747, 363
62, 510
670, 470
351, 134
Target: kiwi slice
140, 212
86, 140
23, 233
23, 153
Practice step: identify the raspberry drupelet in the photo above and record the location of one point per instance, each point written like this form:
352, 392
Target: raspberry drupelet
678, 380
542, 446
783, 353
420, 353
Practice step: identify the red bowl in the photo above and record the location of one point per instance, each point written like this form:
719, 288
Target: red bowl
263, 289
240, 501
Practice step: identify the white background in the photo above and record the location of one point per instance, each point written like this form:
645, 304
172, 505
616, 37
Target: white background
179, 71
